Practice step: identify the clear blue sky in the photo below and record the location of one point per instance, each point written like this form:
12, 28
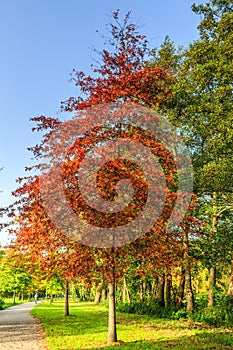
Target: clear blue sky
41, 41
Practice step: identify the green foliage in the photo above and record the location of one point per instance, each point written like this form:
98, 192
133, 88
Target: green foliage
201, 107
12, 279
213, 12
7, 302
201, 103
180, 314
54, 286
149, 308
201, 301
219, 315
1, 303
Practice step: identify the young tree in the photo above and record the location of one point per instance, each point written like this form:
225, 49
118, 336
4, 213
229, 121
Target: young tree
125, 75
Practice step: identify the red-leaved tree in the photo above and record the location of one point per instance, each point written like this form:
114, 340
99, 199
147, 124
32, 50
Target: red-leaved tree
127, 78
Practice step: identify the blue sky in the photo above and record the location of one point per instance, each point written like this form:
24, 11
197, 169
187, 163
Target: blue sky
42, 41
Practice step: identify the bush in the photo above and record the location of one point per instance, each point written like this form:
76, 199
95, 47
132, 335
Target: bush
177, 315
213, 316
150, 308
200, 301
1, 303
219, 315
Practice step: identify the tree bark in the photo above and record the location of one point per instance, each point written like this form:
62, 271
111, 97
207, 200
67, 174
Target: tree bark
188, 276
181, 289
142, 291
103, 294
97, 295
125, 292
154, 287
212, 278
212, 270
112, 333
168, 288
230, 287
160, 290
66, 313
188, 288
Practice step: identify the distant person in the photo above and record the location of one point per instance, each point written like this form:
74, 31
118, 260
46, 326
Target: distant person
36, 298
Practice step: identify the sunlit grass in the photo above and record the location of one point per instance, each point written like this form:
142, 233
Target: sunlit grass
9, 302
86, 328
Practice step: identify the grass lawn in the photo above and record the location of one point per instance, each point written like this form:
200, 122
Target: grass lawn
9, 302
86, 328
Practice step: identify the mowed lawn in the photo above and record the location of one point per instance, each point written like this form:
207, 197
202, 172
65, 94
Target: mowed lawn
86, 328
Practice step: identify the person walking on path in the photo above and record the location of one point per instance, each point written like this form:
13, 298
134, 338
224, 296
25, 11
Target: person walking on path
19, 330
36, 298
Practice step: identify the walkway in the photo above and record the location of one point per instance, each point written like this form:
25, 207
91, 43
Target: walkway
19, 330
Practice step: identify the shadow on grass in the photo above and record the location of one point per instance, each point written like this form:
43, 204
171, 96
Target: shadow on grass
216, 341
86, 328
80, 321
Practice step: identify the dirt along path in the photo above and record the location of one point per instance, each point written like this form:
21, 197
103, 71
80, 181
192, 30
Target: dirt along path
19, 330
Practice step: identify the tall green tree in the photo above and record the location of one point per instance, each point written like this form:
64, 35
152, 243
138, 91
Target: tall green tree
201, 106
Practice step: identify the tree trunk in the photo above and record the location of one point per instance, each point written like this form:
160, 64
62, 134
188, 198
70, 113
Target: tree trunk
14, 297
124, 292
97, 295
188, 276
160, 290
154, 287
168, 288
126, 296
212, 278
66, 313
112, 333
142, 291
188, 288
230, 287
212, 270
103, 294
181, 289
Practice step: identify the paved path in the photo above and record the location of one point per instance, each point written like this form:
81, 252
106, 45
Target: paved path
19, 330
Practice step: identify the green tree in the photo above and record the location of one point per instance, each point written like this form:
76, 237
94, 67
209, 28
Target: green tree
13, 280
201, 106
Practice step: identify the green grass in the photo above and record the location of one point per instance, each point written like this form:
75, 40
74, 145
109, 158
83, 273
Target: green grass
9, 302
86, 328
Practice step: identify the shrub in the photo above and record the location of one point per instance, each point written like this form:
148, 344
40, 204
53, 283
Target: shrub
177, 315
1, 303
150, 308
200, 301
219, 315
